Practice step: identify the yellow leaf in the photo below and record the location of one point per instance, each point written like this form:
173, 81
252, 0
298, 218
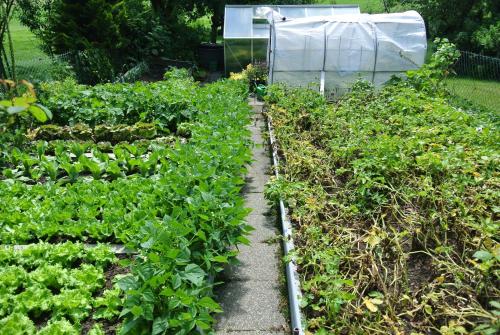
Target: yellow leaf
496, 252
371, 307
377, 301
440, 279
7, 82
29, 86
21, 101
372, 240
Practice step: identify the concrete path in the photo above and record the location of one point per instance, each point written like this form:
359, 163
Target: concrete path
251, 296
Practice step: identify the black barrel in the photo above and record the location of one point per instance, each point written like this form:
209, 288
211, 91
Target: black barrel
211, 56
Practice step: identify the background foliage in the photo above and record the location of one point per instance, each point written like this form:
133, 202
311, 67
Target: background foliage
107, 37
473, 25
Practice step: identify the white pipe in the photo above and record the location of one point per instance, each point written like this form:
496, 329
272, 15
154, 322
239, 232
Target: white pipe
322, 83
294, 293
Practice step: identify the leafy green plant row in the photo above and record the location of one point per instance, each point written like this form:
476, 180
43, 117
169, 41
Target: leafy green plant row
394, 195
70, 162
165, 103
100, 133
170, 290
182, 219
54, 289
99, 210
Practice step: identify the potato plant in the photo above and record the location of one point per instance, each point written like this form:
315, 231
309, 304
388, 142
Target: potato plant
394, 195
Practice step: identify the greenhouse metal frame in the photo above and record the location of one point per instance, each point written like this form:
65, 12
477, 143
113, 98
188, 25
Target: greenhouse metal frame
246, 32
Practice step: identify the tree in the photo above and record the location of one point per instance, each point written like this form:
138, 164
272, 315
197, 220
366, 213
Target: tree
35, 14
7, 61
106, 37
216, 9
167, 9
473, 25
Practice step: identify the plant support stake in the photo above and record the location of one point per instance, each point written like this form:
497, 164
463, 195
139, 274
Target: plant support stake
292, 277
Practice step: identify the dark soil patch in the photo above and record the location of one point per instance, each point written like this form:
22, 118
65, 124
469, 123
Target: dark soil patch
109, 326
112, 272
420, 271
40, 320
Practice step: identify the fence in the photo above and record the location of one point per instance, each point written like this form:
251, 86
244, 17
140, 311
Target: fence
58, 67
45, 68
477, 66
476, 78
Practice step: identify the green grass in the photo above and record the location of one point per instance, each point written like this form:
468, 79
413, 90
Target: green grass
26, 45
32, 63
367, 6
481, 92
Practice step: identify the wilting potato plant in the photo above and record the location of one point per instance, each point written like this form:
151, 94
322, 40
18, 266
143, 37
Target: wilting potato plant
394, 195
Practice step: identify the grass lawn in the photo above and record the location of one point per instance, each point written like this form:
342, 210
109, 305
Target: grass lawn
32, 63
26, 45
367, 6
481, 92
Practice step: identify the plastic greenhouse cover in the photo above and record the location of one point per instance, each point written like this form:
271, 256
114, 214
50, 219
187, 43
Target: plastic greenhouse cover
345, 48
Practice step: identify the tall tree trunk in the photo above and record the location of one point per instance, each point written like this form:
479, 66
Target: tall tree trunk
215, 28
7, 61
217, 19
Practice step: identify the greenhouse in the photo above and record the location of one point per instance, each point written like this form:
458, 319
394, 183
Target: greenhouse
335, 51
246, 29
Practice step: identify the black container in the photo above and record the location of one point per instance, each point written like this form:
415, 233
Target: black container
211, 56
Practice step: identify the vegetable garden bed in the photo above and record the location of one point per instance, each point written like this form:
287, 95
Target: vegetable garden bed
394, 199
162, 178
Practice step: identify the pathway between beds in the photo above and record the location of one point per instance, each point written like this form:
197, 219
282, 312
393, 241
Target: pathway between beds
251, 296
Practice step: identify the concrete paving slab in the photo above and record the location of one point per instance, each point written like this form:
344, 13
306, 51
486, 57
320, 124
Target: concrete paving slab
250, 305
256, 127
256, 180
253, 188
253, 101
260, 254
260, 153
257, 139
252, 332
257, 114
257, 202
265, 227
257, 111
263, 268
258, 170
259, 167
251, 295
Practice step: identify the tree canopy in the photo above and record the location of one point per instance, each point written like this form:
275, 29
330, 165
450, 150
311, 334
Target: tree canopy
473, 25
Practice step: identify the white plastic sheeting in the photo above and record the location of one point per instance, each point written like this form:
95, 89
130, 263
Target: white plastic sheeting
345, 48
